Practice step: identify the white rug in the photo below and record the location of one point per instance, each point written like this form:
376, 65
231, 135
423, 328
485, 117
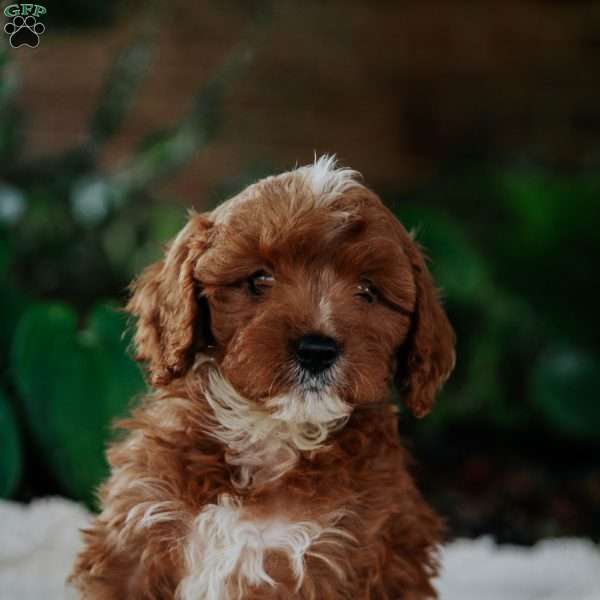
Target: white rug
38, 543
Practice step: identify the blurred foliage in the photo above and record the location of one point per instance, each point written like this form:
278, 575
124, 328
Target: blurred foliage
10, 449
73, 235
514, 262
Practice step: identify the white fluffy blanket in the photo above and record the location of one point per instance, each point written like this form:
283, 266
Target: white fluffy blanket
38, 543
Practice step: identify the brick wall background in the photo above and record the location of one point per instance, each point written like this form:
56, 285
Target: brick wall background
394, 88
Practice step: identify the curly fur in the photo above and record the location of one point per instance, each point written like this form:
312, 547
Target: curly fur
241, 476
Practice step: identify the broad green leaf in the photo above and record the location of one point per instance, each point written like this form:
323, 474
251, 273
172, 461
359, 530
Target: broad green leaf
73, 384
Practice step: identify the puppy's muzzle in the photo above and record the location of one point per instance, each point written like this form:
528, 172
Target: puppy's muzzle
315, 352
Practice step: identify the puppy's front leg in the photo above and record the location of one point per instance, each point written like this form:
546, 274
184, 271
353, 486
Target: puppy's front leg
138, 566
132, 550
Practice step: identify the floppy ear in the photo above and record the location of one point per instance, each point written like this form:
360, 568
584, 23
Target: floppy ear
427, 357
165, 299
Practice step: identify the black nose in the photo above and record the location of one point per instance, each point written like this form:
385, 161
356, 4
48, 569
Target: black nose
315, 352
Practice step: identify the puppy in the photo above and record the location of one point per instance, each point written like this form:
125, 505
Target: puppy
265, 463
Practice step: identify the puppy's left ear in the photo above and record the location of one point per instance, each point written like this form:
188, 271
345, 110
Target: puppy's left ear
166, 301
427, 357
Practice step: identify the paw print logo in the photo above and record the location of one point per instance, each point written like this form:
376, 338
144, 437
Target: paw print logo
24, 31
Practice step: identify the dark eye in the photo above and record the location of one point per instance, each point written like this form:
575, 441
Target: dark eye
367, 291
259, 282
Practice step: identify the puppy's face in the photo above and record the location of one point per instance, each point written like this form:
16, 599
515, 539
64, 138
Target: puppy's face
304, 288
307, 297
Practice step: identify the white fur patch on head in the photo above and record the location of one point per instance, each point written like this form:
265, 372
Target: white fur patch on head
265, 440
225, 552
323, 179
326, 180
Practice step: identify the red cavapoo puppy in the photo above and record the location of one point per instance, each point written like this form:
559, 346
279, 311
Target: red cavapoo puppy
265, 463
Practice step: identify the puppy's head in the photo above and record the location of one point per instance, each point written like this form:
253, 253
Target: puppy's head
307, 293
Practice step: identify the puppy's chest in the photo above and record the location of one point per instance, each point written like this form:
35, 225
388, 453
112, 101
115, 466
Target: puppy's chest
264, 535
233, 548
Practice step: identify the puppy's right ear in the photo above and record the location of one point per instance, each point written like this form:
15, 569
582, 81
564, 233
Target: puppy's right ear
165, 299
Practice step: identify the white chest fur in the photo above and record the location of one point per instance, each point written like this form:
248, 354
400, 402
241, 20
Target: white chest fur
225, 552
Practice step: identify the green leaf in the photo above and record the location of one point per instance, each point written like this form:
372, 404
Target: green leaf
12, 301
10, 450
565, 388
12, 305
459, 269
73, 384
